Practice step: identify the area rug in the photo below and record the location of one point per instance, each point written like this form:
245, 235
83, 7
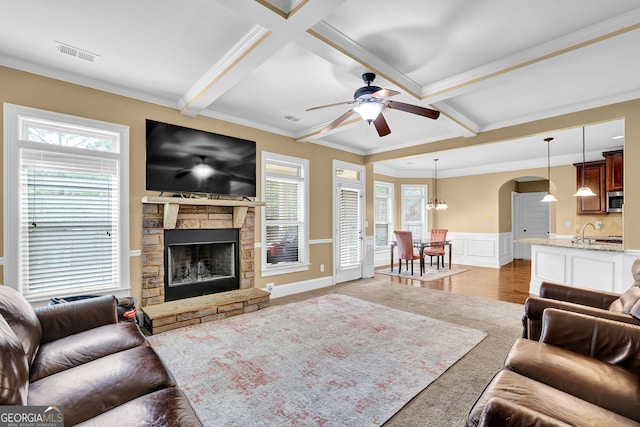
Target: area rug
430, 273
333, 360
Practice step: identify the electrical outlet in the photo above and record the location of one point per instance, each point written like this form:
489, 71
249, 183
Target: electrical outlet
321, 268
270, 287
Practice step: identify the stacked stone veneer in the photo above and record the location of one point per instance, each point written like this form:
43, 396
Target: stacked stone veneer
189, 217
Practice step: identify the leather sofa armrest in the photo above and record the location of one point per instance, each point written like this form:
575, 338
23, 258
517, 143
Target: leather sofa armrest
534, 308
502, 413
69, 318
607, 340
589, 297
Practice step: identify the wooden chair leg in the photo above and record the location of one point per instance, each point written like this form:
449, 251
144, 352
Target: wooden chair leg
412, 267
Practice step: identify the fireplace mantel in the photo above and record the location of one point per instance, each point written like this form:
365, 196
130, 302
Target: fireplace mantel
172, 206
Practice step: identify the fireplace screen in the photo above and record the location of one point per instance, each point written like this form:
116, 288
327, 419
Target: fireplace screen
189, 264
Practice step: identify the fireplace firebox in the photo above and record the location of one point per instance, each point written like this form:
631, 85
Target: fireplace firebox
200, 262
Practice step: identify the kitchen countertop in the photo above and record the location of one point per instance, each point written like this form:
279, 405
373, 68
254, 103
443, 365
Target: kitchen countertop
566, 243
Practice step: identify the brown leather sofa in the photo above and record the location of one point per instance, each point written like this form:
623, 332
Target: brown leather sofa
621, 307
78, 357
584, 371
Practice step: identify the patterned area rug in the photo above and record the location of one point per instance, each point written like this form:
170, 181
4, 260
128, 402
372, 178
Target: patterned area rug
329, 361
431, 273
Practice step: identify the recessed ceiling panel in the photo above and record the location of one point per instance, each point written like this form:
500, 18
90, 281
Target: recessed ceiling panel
595, 75
431, 41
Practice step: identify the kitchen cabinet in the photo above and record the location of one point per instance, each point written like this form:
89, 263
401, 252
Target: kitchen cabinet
594, 178
614, 169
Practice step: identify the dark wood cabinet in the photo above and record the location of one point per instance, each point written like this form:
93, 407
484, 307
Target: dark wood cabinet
614, 169
595, 178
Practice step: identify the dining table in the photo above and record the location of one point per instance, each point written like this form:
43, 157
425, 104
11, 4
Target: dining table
421, 245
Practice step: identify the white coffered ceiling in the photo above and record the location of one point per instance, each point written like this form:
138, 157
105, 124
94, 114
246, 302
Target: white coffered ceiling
484, 64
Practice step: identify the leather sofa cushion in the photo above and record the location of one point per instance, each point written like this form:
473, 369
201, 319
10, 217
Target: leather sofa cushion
502, 413
541, 398
22, 319
66, 319
83, 347
602, 384
166, 407
14, 369
98, 386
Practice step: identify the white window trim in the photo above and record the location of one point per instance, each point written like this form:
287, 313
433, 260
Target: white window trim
391, 222
424, 210
12, 113
304, 265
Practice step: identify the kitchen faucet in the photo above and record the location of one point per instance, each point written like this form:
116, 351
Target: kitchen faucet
583, 228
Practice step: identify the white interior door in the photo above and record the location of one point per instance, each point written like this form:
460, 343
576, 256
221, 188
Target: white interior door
348, 221
530, 220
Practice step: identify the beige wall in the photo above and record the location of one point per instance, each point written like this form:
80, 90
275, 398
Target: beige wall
34, 91
476, 203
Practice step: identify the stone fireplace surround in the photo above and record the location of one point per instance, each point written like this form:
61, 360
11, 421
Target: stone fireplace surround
160, 213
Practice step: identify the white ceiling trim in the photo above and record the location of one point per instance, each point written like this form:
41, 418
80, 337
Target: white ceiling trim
371, 62
201, 94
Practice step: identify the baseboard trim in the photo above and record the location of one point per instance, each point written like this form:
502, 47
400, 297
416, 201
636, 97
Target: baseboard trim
298, 287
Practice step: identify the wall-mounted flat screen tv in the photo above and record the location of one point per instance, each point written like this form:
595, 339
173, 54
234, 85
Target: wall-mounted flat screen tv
184, 160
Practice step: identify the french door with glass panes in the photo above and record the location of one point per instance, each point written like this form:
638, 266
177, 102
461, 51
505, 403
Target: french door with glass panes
348, 221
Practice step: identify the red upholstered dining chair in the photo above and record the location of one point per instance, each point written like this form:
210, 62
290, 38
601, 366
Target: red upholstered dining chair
406, 251
437, 235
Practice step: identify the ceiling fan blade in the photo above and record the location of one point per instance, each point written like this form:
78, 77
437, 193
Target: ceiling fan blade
415, 109
337, 121
183, 173
381, 125
384, 93
330, 105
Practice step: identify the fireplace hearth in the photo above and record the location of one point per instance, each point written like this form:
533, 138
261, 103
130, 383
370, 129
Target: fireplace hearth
200, 262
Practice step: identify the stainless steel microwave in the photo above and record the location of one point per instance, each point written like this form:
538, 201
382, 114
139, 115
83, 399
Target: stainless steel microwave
615, 200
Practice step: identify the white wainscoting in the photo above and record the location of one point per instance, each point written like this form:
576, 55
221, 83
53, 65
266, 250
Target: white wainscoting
593, 269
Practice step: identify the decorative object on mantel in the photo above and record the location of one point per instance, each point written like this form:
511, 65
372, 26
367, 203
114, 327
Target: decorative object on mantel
549, 197
346, 362
583, 191
435, 203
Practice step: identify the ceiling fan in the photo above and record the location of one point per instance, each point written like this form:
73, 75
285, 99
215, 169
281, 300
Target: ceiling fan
370, 102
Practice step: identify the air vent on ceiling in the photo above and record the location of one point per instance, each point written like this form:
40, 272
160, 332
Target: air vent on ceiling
291, 118
74, 51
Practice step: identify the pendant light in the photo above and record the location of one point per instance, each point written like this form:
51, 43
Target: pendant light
583, 191
549, 197
435, 203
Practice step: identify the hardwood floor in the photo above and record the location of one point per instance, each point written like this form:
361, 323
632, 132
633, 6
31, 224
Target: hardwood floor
509, 283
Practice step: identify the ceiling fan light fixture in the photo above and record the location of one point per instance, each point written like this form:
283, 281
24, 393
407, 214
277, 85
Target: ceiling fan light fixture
369, 110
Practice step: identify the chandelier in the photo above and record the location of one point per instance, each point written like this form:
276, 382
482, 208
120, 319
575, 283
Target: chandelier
436, 203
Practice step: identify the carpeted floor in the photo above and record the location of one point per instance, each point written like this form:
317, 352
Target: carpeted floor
333, 360
447, 400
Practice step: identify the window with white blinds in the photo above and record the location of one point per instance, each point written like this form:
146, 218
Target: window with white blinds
414, 207
285, 235
383, 208
70, 232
